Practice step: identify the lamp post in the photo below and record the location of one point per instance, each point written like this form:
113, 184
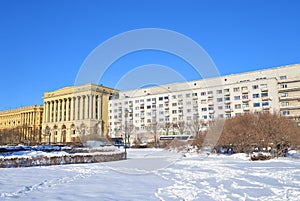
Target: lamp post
126, 130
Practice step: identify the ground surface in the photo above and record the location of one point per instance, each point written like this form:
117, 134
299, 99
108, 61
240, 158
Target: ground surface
157, 175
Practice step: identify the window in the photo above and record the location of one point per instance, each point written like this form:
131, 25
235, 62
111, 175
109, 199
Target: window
244, 88
148, 106
245, 105
221, 115
188, 118
210, 92
236, 89
228, 115
227, 98
219, 100
255, 86
263, 86
187, 95
226, 90
180, 96
245, 96
282, 77
188, 110
284, 95
154, 99
174, 96
219, 91
203, 93
161, 105
174, 111
220, 107
237, 97
204, 109
204, 117
264, 94
285, 112
256, 104
188, 102
160, 98
166, 97
265, 103
194, 94
238, 106
161, 119
174, 104
255, 95
283, 86
137, 108
142, 100
227, 106
285, 104
137, 101
161, 112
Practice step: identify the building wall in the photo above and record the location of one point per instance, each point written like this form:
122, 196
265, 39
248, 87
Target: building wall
273, 90
25, 124
74, 111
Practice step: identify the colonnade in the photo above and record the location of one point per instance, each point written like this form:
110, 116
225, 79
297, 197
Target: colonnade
73, 108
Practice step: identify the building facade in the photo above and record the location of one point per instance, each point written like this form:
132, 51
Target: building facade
274, 90
21, 125
76, 111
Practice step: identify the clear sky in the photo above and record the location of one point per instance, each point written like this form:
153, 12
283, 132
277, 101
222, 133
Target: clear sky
43, 43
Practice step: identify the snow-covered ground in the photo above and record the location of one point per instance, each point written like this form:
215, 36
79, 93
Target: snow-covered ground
153, 174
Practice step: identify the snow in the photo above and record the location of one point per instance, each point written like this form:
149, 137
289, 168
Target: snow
155, 174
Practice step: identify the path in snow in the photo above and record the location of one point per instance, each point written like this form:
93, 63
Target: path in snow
155, 175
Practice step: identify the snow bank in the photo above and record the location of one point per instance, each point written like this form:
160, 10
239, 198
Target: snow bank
69, 156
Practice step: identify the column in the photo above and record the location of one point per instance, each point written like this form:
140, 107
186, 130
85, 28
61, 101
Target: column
72, 109
63, 109
76, 108
51, 111
99, 108
59, 110
55, 112
86, 107
48, 112
81, 107
93, 107
67, 109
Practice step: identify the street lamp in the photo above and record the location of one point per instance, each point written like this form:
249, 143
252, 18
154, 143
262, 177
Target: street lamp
126, 130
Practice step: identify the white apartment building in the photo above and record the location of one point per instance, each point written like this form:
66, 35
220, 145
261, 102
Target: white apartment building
274, 90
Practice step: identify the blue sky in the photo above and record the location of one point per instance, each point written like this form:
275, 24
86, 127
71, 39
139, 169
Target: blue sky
43, 43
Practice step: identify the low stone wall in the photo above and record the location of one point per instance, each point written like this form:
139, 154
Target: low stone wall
29, 161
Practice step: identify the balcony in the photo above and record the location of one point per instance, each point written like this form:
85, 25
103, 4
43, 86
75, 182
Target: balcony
210, 96
267, 107
289, 98
246, 108
227, 101
264, 89
245, 91
226, 93
290, 107
289, 80
228, 110
265, 98
211, 111
295, 88
245, 100
210, 103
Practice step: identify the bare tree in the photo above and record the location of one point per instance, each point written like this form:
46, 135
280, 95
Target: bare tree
153, 128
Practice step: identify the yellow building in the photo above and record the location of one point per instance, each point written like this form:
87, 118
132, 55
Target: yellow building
21, 125
71, 113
